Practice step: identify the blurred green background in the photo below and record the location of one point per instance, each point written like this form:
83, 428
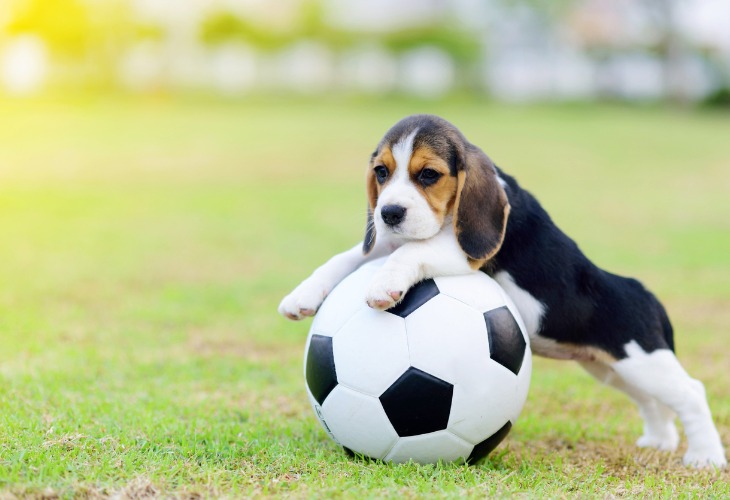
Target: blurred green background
516, 50
168, 172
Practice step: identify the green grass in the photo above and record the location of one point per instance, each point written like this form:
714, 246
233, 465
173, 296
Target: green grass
144, 246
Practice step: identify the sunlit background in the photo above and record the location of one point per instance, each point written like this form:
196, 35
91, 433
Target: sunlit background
170, 169
633, 50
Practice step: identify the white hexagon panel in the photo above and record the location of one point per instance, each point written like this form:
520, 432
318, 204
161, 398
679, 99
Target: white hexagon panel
484, 401
523, 384
371, 351
430, 448
448, 346
358, 422
479, 291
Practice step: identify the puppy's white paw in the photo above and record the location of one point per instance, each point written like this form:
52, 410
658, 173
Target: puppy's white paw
304, 300
660, 434
705, 458
387, 289
666, 442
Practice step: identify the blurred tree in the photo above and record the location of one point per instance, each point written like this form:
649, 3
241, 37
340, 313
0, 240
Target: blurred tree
311, 25
225, 27
462, 46
63, 24
86, 39
112, 31
671, 48
553, 11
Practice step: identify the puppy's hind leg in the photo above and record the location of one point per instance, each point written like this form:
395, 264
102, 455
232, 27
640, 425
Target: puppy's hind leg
659, 375
659, 429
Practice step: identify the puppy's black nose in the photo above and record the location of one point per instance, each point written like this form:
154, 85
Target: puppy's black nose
393, 214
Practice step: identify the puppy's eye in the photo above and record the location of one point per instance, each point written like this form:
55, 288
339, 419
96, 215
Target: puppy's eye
381, 173
428, 176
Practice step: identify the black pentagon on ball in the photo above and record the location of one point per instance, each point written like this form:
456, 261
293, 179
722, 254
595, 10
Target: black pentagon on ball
320, 370
419, 294
506, 343
418, 403
484, 448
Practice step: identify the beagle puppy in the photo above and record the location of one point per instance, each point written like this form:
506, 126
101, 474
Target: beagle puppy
437, 205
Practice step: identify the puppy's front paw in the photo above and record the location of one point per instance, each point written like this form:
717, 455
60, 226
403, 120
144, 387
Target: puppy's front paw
661, 435
708, 458
668, 442
304, 300
387, 289
384, 299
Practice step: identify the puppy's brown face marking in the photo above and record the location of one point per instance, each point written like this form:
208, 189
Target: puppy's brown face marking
424, 171
427, 171
384, 159
430, 173
380, 171
412, 180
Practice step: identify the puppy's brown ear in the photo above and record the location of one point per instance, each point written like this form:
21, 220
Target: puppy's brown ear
481, 208
372, 190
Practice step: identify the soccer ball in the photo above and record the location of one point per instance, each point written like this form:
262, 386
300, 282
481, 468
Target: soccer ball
442, 376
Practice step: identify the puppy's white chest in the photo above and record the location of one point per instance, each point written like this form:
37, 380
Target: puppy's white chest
531, 309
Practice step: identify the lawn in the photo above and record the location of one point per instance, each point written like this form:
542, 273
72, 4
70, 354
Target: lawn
145, 245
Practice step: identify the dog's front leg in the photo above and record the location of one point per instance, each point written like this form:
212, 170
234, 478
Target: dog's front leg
415, 261
306, 298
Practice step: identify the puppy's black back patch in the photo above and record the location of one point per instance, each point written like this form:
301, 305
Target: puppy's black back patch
584, 305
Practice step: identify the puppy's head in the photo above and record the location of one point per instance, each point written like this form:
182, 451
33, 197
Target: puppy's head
425, 174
